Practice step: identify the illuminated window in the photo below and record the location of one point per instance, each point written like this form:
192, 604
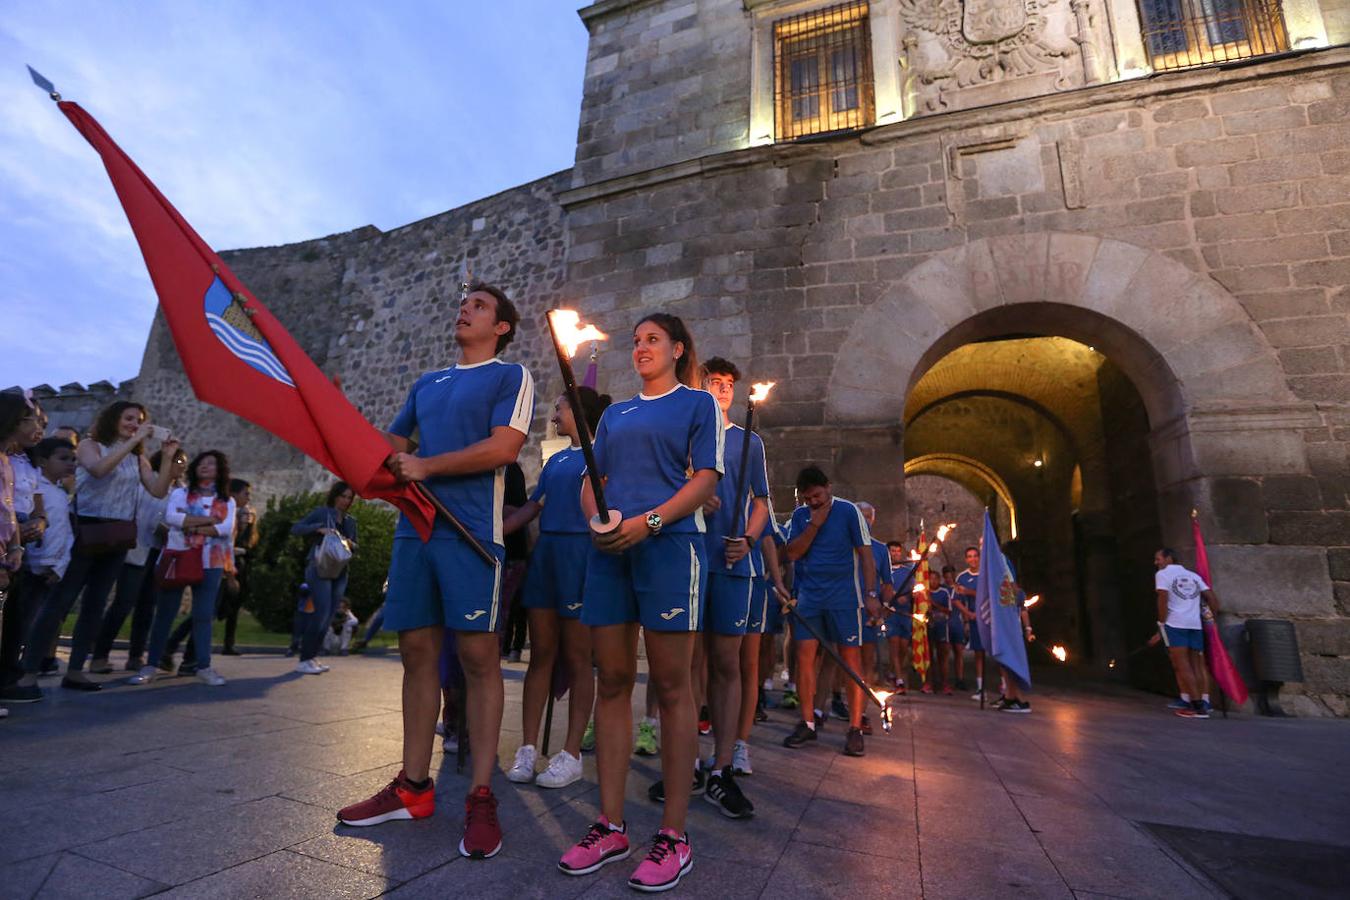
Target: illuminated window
822, 72
1184, 33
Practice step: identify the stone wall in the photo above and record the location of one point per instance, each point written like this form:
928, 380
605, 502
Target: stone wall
375, 310
1191, 227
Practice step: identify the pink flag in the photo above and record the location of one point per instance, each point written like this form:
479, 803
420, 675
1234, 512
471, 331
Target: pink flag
1216, 656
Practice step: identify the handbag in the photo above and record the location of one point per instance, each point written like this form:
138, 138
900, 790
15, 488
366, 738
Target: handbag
333, 554
179, 568
98, 537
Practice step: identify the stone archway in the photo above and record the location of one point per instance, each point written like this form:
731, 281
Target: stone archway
1220, 415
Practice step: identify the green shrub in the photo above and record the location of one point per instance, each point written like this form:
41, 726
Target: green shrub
279, 559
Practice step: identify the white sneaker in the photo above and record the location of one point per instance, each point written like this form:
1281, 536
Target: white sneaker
740, 759
308, 667
563, 769
144, 676
321, 666
975, 696
523, 770
209, 676
3, 712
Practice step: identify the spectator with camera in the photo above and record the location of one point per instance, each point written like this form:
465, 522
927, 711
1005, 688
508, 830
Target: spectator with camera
199, 548
113, 467
332, 531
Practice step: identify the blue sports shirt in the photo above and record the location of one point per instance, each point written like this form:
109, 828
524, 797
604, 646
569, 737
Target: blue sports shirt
559, 491
756, 485
830, 565
455, 408
647, 446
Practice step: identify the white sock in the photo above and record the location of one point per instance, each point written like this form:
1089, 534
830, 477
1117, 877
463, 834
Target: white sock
1185, 698
621, 827
1204, 697
979, 683
819, 714
811, 725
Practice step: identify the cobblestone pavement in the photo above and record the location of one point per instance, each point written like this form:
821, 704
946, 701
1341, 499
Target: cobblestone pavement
230, 792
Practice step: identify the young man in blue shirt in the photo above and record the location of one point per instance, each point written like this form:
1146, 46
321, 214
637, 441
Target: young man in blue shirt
470, 421
829, 541
735, 566
964, 603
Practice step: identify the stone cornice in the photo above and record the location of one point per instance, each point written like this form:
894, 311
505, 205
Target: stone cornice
1098, 98
603, 8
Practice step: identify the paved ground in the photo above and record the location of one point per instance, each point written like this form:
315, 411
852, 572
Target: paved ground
200, 792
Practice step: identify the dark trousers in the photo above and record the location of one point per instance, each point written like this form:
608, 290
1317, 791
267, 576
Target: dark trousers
95, 576
27, 593
513, 637
135, 596
327, 594
232, 600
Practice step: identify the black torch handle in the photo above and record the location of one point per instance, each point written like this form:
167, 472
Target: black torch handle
583, 429
829, 648
740, 474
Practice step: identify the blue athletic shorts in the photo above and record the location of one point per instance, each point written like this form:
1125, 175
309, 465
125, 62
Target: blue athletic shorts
939, 631
557, 574
956, 628
1190, 638
972, 630
730, 598
759, 607
442, 582
839, 626
900, 625
773, 610
660, 582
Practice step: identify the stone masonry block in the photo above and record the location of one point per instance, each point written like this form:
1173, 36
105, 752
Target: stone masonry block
1291, 492
1324, 637
1276, 119
1322, 528
1214, 152
1313, 331
1269, 580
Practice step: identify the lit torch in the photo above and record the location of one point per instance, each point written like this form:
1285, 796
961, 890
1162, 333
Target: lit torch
759, 392
1033, 600
568, 335
1059, 653
884, 697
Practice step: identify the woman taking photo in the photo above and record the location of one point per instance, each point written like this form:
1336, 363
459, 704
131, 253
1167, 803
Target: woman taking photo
553, 590
112, 470
331, 518
661, 455
200, 518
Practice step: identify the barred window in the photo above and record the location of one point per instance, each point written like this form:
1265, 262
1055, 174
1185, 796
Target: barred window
1184, 33
822, 71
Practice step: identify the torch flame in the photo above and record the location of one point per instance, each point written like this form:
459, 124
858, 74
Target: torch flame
943, 531
571, 333
759, 391
1033, 600
914, 555
1059, 653
920, 587
920, 618
883, 696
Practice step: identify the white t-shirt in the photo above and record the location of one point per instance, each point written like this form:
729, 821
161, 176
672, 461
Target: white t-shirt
1183, 595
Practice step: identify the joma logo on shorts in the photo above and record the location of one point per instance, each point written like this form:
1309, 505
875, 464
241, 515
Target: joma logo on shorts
572, 606
740, 623
475, 614
672, 613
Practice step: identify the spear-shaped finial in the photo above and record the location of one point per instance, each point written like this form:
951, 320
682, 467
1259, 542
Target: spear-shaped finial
41, 81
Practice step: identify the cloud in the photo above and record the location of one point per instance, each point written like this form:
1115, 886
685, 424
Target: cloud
264, 124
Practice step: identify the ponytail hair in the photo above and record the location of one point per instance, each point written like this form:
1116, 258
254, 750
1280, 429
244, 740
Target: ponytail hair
593, 403
686, 367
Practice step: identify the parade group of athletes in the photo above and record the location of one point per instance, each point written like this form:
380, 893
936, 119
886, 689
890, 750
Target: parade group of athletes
692, 564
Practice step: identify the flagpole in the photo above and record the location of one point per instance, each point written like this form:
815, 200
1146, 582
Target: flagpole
606, 519
455, 523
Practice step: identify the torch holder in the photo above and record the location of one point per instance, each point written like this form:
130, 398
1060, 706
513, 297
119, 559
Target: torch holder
615, 520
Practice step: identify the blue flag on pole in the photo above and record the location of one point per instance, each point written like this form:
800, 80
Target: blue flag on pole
998, 610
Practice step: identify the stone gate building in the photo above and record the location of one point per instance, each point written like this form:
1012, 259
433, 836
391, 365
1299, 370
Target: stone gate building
1084, 261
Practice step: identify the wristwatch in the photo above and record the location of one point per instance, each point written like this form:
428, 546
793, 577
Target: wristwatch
872, 594
654, 523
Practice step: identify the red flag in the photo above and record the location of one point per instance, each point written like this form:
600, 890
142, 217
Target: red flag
1216, 655
235, 353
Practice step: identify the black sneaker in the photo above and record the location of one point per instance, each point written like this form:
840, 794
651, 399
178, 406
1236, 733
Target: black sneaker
49, 666
853, 742
657, 792
187, 669
1019, 706
866, 725
800, 735
17, 693
166, 663
725, 794
1001, 703
761, 715
821, 719
838, 708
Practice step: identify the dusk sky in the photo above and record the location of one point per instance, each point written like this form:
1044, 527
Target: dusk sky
264, 123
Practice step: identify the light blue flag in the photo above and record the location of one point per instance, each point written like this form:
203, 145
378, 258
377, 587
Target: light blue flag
998, 610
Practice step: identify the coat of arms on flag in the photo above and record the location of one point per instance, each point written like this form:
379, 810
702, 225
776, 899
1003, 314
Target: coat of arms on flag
231, 326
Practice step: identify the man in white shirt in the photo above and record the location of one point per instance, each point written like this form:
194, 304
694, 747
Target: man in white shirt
1179, 593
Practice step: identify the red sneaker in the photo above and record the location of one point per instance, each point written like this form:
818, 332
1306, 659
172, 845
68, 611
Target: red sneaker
482, 834
398, 800
947, 690
926, 689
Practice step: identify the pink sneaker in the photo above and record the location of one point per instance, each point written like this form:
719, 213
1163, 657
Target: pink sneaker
601, 845
669, 860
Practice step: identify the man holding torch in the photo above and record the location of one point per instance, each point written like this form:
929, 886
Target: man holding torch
737, 514
471, 421
964, 604
829, 541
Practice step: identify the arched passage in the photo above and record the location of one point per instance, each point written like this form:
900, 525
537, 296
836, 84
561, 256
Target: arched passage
1172, 414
